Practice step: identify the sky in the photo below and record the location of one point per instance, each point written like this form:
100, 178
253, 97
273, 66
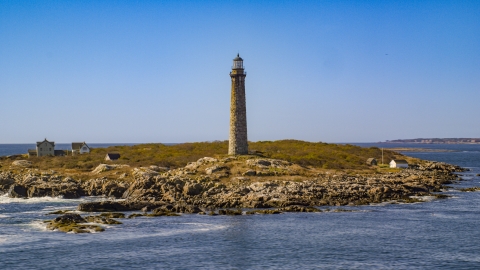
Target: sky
158, 71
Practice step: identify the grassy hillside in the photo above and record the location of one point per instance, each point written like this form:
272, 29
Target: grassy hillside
319, 155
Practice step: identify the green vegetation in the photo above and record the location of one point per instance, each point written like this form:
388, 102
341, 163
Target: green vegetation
319, 155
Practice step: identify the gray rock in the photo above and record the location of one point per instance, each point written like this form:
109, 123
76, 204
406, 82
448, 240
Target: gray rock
192, 189
215, 169
17, 191
264, 162
70, 218
250, 173
22, 163
206, 160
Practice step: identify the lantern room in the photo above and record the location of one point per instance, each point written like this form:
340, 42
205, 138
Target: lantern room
237, 62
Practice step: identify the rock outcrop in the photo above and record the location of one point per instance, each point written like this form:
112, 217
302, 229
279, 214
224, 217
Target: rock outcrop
211, 183
76, 224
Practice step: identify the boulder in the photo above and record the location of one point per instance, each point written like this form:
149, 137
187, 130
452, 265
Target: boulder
230, 212
5, 183
263, 212
299, 208
158, 169
107, 167
249, 173
206, 160
143, 172
102, 168
192, 166
101, 220
264, 162
111, 206
215, 169
35, 191
158, 213
72, 223
192, 189
70, 218
17, 191
105, 206
22, 163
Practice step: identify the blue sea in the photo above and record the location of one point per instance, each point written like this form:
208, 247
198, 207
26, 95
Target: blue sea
437, 234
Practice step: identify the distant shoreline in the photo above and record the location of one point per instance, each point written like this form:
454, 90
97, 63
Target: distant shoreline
410, 149
437, 141
431, 142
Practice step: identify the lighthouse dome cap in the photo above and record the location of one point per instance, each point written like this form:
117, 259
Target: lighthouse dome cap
238, 58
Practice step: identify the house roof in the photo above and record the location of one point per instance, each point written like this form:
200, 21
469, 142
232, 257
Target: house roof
32, 151
370, 159
400, 161
113, 155
51, 143
78, 145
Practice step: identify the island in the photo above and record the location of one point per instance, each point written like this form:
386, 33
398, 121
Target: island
199, 178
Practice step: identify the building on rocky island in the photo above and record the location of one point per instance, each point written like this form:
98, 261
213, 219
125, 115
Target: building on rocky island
32, 152
80, 148
112, 156
45, 148
398, 163
371, 162
238, 144
60, 153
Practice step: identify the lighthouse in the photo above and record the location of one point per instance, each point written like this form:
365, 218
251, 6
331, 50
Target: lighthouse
238, 144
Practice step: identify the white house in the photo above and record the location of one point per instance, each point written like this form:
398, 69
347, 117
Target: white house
80, 148
398, 163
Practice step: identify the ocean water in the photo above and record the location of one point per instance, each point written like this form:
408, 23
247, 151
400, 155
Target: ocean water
437, 234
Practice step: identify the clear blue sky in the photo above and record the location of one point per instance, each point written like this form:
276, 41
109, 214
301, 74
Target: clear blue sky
158, 71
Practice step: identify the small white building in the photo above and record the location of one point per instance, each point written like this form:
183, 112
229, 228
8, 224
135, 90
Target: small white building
80, 148
398, 163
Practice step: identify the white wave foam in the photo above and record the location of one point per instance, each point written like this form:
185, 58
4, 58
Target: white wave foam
208, 228
3, 239
4, 199
424, 198
190, 228
4, 216
37, 225
444, 216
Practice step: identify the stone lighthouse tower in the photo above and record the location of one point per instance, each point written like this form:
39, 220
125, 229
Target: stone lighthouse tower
238, 144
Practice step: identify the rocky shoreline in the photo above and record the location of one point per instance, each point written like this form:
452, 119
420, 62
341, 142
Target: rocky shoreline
210, 186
